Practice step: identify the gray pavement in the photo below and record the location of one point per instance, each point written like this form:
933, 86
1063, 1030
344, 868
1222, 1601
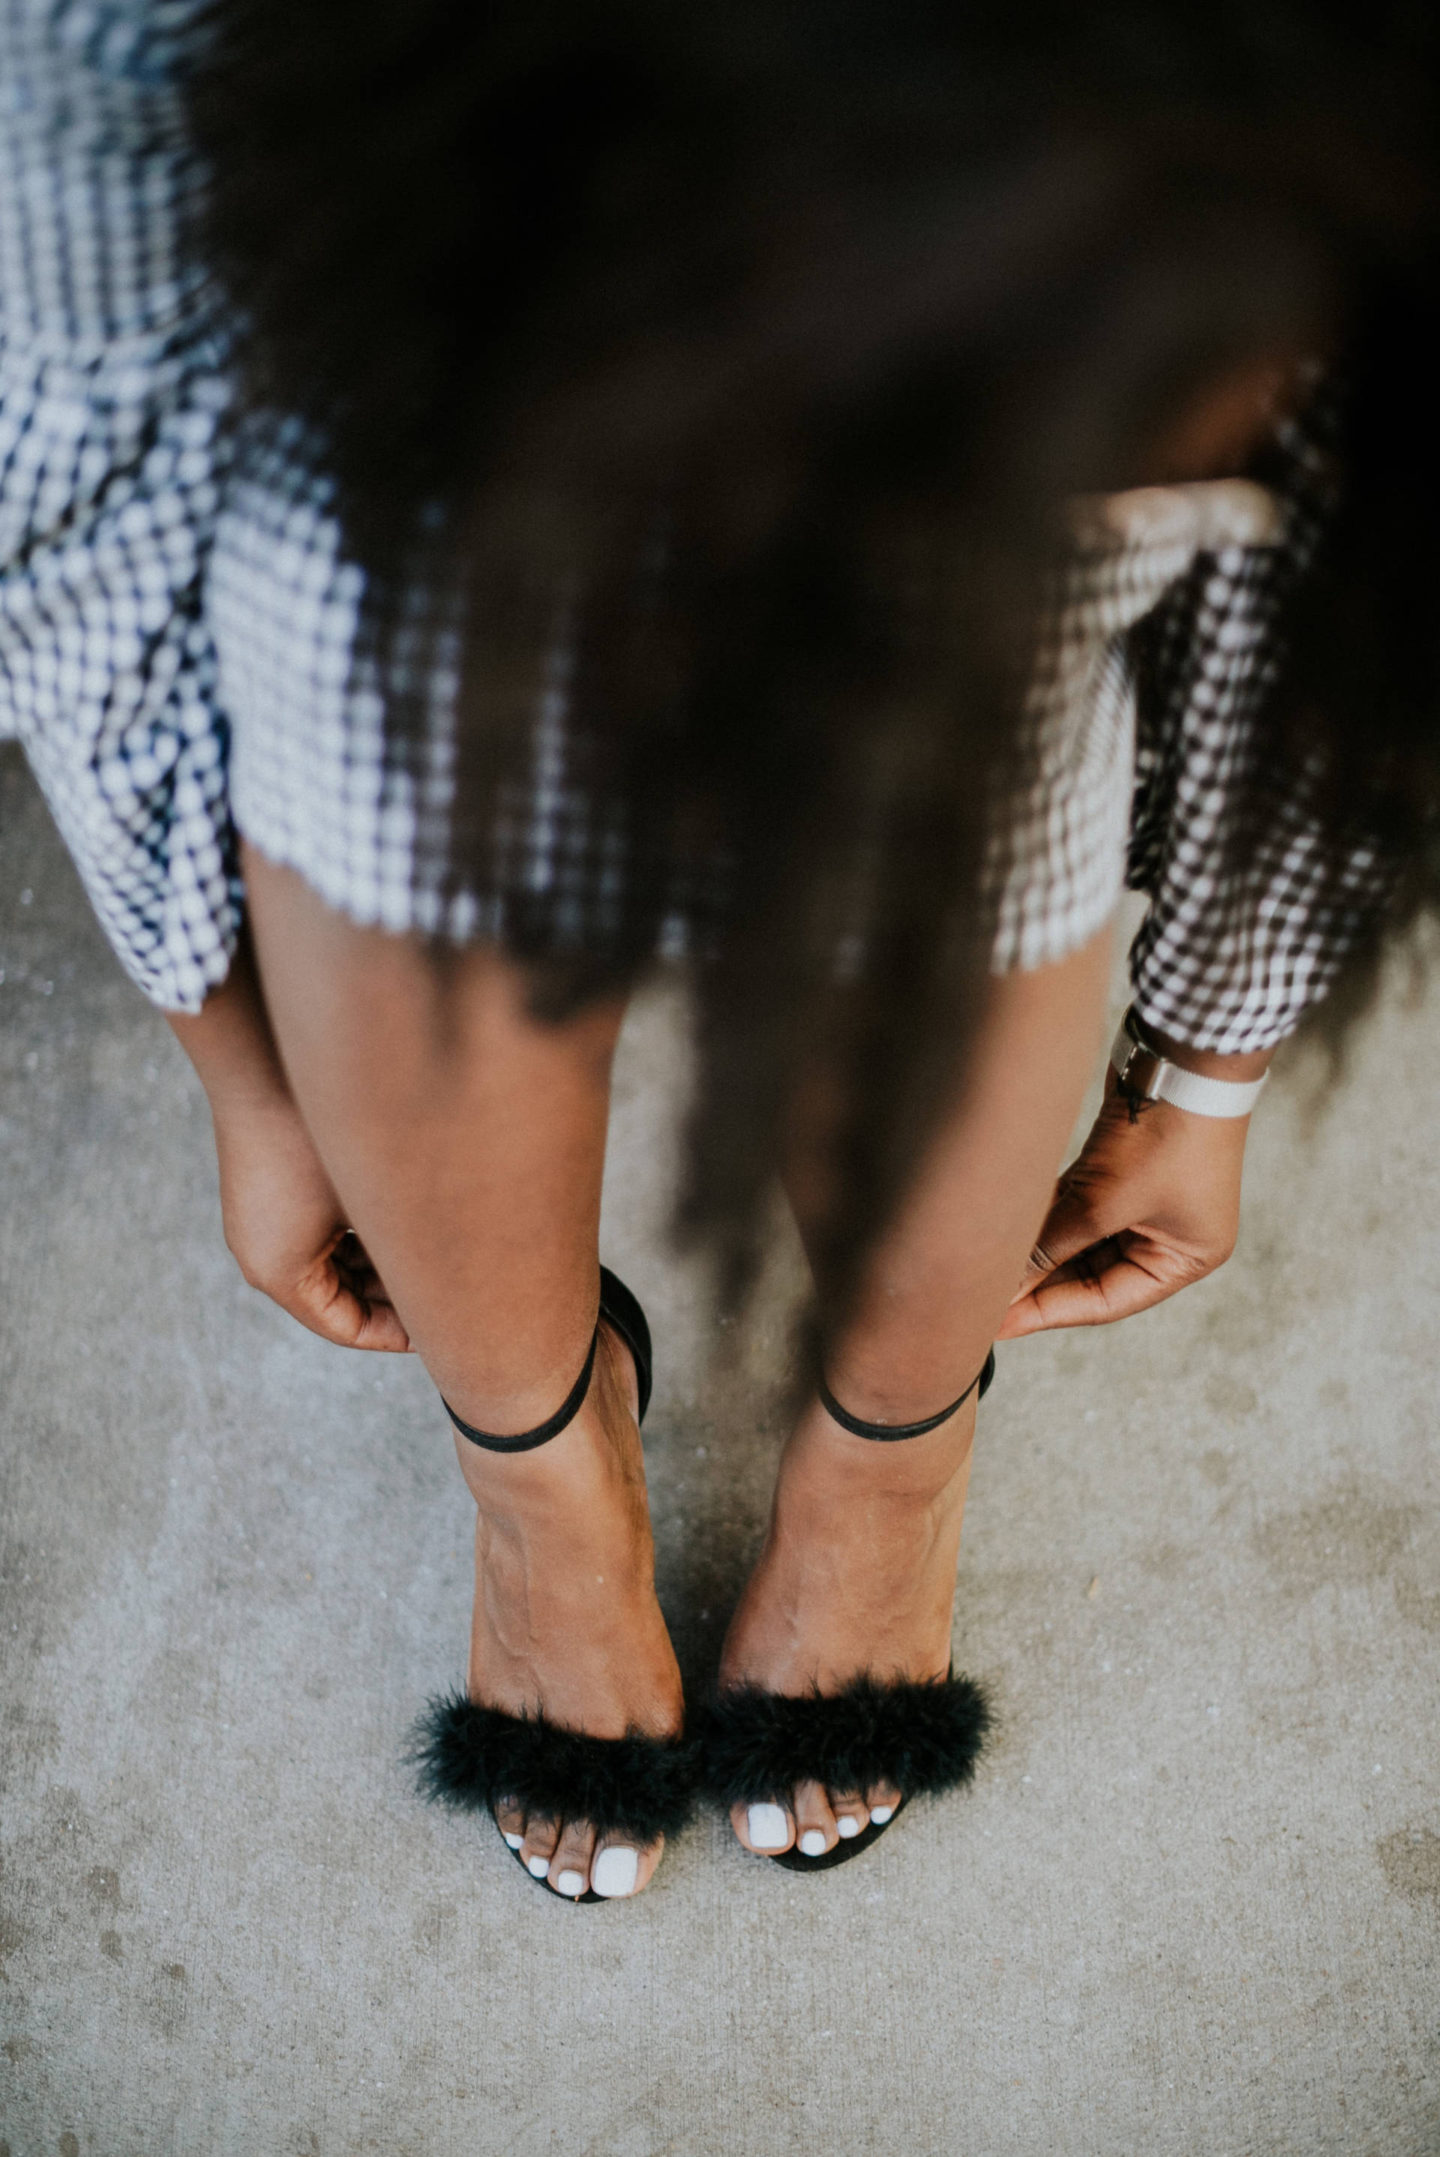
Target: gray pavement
1191, 1906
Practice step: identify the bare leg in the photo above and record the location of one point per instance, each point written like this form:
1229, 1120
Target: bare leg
467, 1143
858, 1568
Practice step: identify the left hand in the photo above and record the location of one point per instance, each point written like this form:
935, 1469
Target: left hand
1151, 1204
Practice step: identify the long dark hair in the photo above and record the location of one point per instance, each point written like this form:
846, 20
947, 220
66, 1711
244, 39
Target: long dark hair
745, 350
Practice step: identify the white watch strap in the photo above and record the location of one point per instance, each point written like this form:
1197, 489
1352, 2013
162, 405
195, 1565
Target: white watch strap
1154, 1078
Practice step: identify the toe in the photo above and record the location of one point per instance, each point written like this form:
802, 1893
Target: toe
510, 1819
815, 1829
763, 1828
570, 1860
852, 1814
622, 1868
882, 1798
538, 1848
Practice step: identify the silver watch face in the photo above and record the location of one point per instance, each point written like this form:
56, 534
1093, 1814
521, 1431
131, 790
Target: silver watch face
1143, 1072
1145, 1075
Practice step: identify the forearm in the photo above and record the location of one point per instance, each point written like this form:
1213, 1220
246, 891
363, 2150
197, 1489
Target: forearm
283, 1222
231, 1045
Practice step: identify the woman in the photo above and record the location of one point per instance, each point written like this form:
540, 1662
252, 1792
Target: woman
578, 490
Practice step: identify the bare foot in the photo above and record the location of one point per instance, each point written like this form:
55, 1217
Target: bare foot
857, 1575
566, 1622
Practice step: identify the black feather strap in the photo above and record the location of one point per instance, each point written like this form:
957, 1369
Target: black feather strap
472, 1757
921, 1735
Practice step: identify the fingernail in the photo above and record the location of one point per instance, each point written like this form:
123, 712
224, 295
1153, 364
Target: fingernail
812, 1842
615, 1870
879, 1814
537, 1867
847, 1826
768, 1827
512, 1842
571, 1883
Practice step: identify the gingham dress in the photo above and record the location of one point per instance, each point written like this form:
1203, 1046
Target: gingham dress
181, 651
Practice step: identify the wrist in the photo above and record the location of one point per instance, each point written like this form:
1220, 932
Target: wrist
230, 1044
251, 1099
1241, 1069
1146, 1071
242, 1082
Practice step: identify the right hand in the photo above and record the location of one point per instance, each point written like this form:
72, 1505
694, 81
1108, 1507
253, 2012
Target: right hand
287, 1229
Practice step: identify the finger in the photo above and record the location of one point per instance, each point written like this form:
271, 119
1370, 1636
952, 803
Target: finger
356, 1268
322, 1301
340, 1316
1112, 1280
1070, 1227
356, 1274
378, 1328
381, 1325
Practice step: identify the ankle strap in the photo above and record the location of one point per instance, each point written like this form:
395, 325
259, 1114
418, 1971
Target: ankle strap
618, 1309
886, 1432
524, 1441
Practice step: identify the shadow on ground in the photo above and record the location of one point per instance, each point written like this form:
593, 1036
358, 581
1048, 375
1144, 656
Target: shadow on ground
1191, 1906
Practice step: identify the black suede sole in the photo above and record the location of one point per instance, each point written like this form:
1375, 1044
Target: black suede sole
795, 1860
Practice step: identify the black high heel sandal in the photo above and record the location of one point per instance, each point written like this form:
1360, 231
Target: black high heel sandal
471, 1757
923, 1736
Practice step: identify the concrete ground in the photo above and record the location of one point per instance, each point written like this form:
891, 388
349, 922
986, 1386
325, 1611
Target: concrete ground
1191, 1906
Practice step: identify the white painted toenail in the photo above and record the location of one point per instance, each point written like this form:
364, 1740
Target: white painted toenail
879, 1814
571, 1883
537, 1867
847, 1826
513, 1842
812, 1842
768, 1827
615, 1870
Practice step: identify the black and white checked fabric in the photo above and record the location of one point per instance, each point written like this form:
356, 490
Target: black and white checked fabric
1058, 855
182, 650
1234, 951
112, 461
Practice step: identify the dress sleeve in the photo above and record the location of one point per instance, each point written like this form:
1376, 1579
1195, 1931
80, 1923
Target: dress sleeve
1057, 857
1241, 937
113, 447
